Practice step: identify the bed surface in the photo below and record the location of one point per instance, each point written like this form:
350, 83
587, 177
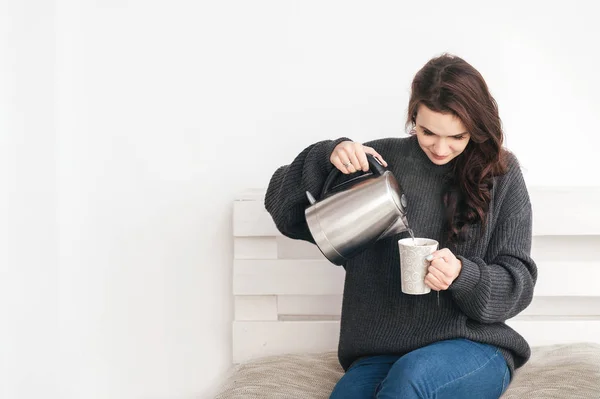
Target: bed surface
554, 371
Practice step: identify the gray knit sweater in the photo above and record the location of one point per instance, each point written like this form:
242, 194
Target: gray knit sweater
497, 277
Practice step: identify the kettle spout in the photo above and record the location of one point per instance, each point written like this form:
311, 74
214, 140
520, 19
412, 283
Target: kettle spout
399, 226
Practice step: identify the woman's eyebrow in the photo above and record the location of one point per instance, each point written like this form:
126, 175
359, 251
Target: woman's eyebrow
454, 135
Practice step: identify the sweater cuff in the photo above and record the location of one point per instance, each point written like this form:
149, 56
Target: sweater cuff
469, 277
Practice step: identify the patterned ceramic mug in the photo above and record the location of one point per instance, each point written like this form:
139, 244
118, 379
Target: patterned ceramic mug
413, 265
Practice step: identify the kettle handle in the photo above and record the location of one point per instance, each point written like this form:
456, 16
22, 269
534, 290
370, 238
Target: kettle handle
374, 165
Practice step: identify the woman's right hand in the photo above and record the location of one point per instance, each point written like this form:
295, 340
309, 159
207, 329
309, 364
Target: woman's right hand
350, 157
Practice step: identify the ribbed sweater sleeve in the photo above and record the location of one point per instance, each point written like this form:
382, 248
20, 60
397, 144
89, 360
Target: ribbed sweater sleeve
286, 200
501, 286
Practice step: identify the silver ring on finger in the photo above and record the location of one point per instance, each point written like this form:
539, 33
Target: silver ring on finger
347, 164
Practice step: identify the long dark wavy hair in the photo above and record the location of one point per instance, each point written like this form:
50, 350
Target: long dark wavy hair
448, 84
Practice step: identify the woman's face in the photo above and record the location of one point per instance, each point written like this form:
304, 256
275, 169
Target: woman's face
442, 137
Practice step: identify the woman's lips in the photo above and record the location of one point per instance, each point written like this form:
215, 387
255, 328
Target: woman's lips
439, 158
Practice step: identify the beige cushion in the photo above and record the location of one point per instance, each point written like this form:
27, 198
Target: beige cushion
557, 371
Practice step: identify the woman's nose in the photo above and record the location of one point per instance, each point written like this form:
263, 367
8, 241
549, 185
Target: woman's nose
441, 148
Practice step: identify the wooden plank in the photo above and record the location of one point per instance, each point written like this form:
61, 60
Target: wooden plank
559, 331
291, 277
565, 210
251, 219
574, 247
319, 277
563, 305
252, 340
557, 211
287, 317
256, 307
296, 249
331, 305
568, 279
566, 249
309, 305
255, 248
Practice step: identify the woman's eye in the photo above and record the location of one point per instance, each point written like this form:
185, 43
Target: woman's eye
427, 133
459, 137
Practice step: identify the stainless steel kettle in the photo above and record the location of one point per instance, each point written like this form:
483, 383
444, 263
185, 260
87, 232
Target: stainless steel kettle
354, 214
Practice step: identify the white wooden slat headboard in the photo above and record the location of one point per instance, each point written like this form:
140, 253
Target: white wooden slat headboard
288, 296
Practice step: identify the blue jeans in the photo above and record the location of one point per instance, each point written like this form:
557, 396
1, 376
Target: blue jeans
451, 369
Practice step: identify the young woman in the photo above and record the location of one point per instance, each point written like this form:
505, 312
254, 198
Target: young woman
465, 191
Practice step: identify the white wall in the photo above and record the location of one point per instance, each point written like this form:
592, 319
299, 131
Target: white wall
163, 111
28, 267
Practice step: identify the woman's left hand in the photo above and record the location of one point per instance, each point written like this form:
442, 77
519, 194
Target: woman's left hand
443, 270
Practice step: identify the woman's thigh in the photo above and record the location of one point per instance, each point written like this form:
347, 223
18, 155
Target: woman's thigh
457, 368
363, 377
